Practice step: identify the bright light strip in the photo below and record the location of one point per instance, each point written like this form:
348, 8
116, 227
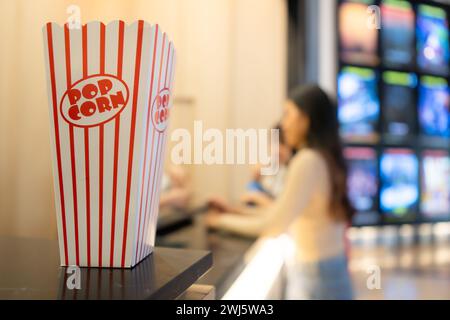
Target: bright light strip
441, 229
264, 266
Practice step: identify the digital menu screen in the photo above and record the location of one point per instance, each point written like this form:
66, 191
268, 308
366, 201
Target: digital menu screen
358, 43
399, 106
358, 104
399, 189
397, 33
433, 51
434, 107
435, 182
362, 183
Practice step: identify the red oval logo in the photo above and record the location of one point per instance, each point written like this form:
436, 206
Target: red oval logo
94, 100
160, 110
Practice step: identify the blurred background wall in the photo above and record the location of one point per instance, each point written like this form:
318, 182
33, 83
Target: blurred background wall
231, 72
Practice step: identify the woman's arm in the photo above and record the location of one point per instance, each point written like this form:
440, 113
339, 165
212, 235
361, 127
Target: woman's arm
247, 225
304, 172
259, 198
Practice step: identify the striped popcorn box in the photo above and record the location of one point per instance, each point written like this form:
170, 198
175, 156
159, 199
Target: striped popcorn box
109, 89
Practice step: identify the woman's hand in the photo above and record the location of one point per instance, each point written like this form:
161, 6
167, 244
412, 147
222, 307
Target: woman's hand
260, 199
219, 204
212, 219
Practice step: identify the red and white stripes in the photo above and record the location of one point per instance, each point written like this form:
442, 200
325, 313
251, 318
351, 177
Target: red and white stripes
107, 176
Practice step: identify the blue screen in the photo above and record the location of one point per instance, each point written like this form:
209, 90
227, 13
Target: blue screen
358, 104
433, 107
399, 192
433, 52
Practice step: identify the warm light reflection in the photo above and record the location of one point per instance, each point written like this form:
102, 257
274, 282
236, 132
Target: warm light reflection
264, 266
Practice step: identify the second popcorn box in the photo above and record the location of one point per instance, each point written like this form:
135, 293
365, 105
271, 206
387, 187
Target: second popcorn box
110, 95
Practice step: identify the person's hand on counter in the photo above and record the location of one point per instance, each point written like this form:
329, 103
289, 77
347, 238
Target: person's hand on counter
259, 199
212, 219
220, 204
248, 224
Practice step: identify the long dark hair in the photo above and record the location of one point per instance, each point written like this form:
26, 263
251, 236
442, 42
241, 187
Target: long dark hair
323, 136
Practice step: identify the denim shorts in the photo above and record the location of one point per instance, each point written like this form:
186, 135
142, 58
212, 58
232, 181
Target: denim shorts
326, 279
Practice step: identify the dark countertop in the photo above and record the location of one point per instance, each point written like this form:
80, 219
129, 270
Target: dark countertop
228, 251
29, 269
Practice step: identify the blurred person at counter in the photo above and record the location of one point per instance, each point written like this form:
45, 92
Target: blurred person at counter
175, 189
262, 189
313, 205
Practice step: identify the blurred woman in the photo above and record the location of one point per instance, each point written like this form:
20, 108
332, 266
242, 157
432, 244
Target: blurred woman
261, 189
313, 204
175, 189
